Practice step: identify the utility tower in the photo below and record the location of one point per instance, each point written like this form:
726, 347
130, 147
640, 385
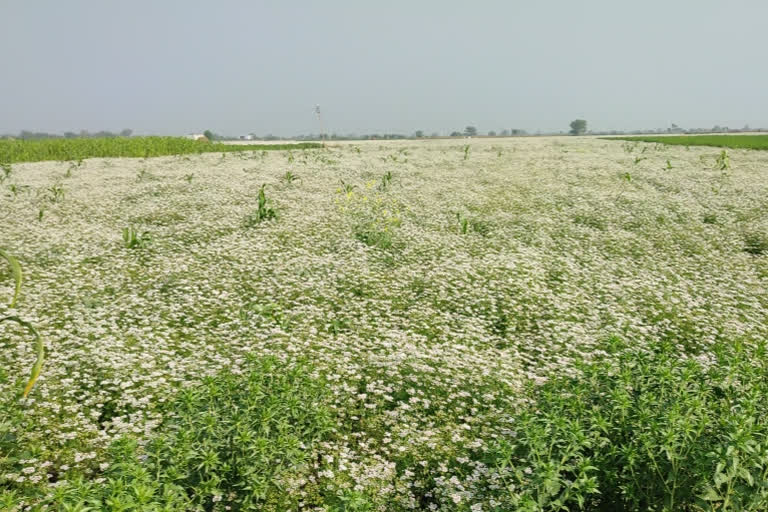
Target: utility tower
320, 118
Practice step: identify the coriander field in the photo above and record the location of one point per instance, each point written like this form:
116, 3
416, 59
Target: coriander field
469, 325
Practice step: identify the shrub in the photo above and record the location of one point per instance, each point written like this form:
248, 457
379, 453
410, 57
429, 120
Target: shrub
756, 243
376, 215
652, 432
236, 441
373, 235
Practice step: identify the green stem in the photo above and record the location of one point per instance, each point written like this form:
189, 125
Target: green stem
35, 373
16, 272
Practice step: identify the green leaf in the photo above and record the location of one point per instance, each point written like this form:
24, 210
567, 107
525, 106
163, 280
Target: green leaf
720, 478
15, 272
35, 373
711, 495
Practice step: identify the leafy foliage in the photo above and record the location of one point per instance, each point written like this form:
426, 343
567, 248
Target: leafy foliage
386, 181
756, 243
723, 161
236, 441
375, 213
474, 225
55, 193
578, 127
263, 212
653, 431
132, 239
289, 177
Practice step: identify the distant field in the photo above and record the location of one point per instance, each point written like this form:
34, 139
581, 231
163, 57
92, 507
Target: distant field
12, 151
720, 141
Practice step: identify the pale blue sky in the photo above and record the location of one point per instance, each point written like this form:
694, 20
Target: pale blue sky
162, 66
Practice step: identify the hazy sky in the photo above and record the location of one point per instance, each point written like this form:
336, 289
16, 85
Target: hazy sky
239, 66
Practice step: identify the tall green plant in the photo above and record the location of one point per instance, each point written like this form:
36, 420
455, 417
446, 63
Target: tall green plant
263, 212
386, 181
463, 223
289, 177
466, 225
723, 161
55, 193
39, 347
132, 239
15, 272
17, 277
347, 188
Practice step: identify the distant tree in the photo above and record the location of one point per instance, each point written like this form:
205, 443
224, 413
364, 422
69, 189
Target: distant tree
126, 133
470, 131
435, 134
505, 133
491, 133
455, 134
419, 134
578, 126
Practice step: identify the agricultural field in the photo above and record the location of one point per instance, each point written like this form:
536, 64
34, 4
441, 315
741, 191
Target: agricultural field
456, 325
75, 150
720, 141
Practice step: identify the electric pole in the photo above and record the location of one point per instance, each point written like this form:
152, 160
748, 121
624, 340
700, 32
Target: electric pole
320, 118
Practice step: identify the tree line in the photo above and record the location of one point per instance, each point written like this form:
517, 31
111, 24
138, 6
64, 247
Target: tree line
83, 134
